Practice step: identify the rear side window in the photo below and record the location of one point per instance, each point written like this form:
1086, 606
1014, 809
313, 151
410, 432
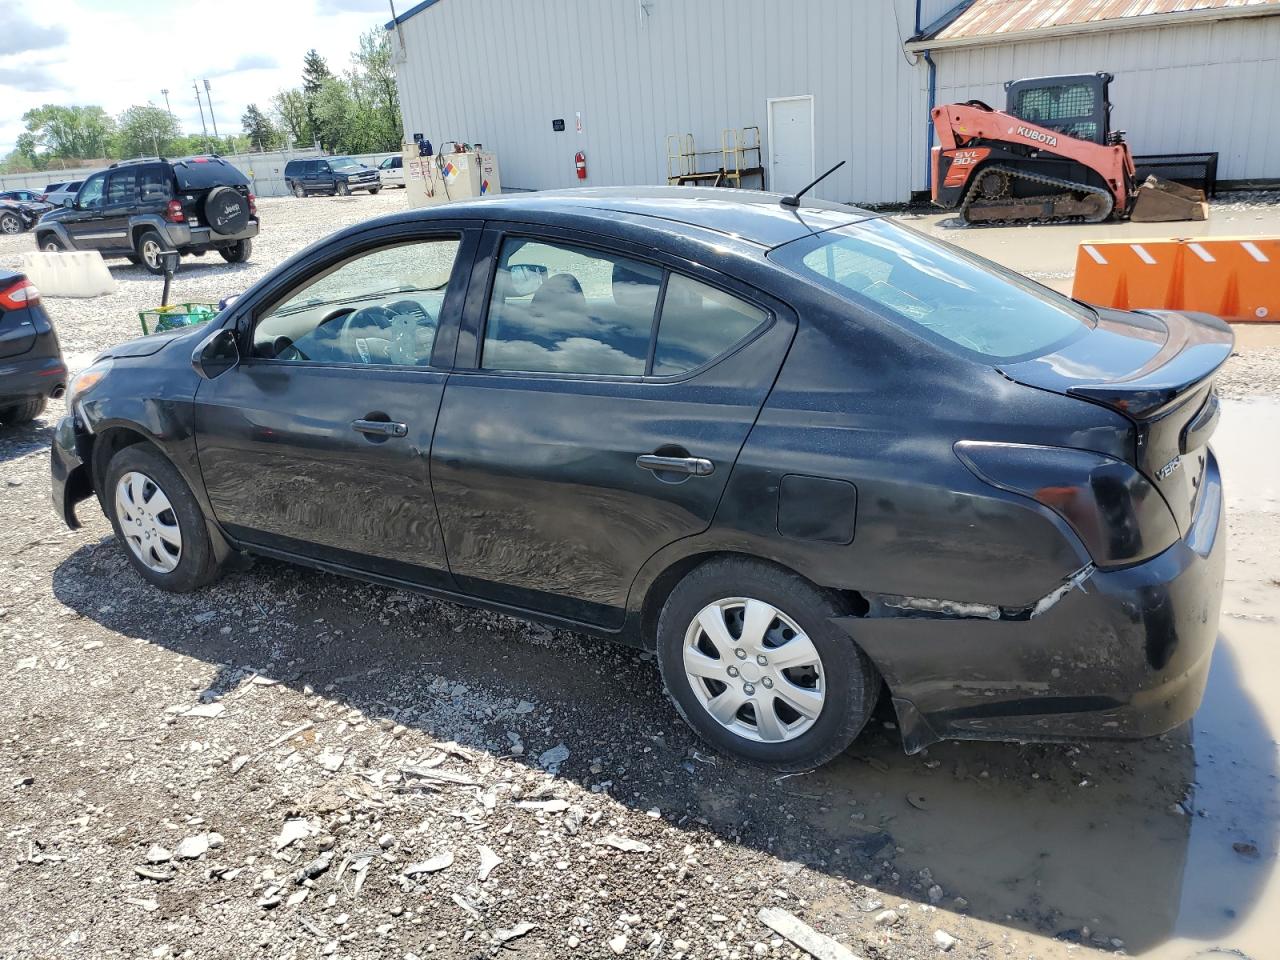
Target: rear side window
698, 324
558, 308
122, 187
154, 184
946, 295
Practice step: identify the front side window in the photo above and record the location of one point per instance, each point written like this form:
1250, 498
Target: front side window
90, 196
558, 308
950, 297
698, 324
380, 308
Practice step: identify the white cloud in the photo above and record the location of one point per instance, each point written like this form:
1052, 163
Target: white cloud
125, 52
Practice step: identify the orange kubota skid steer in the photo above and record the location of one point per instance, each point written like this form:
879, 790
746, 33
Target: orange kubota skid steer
1051, 156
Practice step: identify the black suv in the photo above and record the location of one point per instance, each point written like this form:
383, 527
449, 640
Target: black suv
332, 175
140, 208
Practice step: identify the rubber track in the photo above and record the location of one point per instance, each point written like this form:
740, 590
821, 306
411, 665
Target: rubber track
1066, 185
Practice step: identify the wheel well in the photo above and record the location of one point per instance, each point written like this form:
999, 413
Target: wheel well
666, 581
106, 445
136, 233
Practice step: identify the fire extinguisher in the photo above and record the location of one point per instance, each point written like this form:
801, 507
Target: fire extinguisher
580, 164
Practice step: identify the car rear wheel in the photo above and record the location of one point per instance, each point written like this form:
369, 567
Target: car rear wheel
753, 662
237, 252
156, 517
298, 191
10, 222
150, 246
24, 412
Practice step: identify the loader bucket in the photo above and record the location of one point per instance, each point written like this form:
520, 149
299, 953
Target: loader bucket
1159, 201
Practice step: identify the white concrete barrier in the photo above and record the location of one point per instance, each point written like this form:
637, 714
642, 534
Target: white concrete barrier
74, 273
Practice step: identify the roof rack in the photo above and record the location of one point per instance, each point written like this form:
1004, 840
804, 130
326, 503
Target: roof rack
133, 160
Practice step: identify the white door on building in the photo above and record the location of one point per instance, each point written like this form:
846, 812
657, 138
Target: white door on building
790, 143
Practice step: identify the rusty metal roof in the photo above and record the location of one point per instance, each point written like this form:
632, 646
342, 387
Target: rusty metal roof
996, 18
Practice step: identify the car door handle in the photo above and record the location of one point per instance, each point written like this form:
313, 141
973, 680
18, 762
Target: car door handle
380, 428
695, 466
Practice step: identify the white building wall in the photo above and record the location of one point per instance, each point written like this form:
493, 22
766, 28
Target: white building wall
499, 72
1205, 86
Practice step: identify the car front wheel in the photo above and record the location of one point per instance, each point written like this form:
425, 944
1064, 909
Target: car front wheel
51, 244
299, 191
753, 662
10, 222
156, 517
341, 188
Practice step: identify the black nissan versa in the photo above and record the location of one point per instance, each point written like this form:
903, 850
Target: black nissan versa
807, 454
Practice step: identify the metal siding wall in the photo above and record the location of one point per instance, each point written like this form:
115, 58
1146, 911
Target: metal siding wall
499, 73
1208, 86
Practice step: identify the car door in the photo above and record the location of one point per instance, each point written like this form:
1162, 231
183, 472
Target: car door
320, 175
317, 443
572, 444
119, 202
83, 226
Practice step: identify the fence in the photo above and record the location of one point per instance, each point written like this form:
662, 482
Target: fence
264, 170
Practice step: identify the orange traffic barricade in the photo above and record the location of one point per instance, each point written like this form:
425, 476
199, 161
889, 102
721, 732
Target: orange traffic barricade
1235, 278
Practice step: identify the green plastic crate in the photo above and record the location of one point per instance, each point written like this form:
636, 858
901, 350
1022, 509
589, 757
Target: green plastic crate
176, 315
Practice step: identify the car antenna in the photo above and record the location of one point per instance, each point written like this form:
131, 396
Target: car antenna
794, 199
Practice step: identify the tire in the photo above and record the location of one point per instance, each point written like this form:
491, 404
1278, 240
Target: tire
226, 211
150, 245
237, 252
50, 243
23, 412
833, 680
299, 191
10, 222
374, 190
341, 189
135, 477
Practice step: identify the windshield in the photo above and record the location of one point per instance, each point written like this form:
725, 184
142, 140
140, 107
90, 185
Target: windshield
341, 163
933, 289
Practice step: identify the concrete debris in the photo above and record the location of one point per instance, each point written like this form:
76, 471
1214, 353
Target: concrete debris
424, 772
550, 760
295, 829
434, 865
625, 844
193, 848
512, 933
818, 945
944, 940
313, 869
544, 806
158, 874
886, 918
206, 710
158, 854
619, 944
488, 861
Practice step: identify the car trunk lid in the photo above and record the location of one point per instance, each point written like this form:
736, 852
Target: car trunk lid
1157, 368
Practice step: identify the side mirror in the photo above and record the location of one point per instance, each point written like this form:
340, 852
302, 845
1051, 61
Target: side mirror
216, 353
68, 202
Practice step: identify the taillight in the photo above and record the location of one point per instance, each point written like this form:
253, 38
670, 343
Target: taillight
19, 295
253, 205
1116, 512
173, 212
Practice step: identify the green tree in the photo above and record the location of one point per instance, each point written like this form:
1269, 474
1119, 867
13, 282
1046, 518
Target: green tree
78, 133
290, 108
146, 130
374, 86
258, 128
335, 117
315, 74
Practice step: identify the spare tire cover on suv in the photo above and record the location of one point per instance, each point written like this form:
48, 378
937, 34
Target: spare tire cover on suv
226, 210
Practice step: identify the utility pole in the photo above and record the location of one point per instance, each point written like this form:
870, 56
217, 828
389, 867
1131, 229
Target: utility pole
203, 129
168, 108
209, 96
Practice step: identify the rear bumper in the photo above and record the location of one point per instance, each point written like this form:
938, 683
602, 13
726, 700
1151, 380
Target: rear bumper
184, 235
70, 477
26, 377
1126, 654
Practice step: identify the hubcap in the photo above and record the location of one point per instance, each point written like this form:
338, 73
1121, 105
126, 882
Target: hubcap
151, 253
754, 671
148, 523
10, 225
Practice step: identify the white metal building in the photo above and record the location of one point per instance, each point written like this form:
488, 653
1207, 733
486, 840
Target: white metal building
824, 80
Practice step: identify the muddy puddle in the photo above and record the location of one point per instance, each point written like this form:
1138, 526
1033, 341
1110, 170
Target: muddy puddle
1163, 848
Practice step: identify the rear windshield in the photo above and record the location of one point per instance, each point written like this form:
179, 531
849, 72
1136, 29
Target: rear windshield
196, 173
932, 289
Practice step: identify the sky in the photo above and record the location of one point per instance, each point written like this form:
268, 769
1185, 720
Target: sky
117, 53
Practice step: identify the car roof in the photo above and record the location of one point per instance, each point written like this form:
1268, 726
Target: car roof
755, 216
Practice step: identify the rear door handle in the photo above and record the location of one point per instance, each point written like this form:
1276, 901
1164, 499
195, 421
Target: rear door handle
695, 466
380, 428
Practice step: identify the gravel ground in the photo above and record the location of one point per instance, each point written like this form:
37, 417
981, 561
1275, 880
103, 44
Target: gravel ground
289, 764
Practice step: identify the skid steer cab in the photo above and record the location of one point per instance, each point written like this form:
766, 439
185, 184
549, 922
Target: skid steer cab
1049, 156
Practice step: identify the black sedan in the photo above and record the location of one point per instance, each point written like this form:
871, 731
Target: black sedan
31, 367
806, 454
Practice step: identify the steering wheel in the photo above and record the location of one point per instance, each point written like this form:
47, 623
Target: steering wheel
350, 343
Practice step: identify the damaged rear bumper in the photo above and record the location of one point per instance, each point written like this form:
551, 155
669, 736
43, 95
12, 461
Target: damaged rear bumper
1121, 653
